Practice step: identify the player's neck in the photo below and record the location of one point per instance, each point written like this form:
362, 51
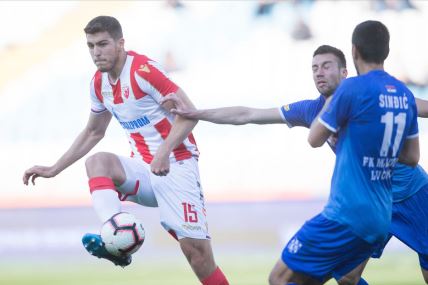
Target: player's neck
114, 74
366, 67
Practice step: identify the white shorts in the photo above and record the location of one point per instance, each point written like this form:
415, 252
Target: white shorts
178, 195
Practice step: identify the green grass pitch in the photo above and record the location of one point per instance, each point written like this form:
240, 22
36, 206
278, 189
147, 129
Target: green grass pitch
245, 269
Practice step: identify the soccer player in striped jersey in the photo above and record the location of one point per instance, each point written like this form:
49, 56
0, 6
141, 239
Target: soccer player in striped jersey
409, 184
162, 170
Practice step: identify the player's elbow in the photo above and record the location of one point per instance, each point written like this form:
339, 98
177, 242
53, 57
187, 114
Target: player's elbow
422, 106
314, 142
411, 159
410, 152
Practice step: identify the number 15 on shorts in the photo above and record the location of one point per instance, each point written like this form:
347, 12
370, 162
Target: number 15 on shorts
190, 214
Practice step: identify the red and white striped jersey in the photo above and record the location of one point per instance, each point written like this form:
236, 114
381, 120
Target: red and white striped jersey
134, 102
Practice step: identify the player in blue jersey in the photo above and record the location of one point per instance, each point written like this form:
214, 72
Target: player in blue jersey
329, 68
374, 116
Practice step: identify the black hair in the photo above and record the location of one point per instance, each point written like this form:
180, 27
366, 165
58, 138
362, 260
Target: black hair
104, 24
335, 51
371, 39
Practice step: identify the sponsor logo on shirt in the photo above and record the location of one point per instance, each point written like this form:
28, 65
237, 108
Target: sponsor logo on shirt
135, 124
191, 227
106, 93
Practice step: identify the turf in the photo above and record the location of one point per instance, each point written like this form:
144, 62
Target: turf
393, 268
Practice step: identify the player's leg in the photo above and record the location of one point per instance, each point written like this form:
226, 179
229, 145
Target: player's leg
423, 261
103, 170
425, 275
115, 178
200, 256
182, 210
137, 186
322, 249
409, 225
354, 276
281, 275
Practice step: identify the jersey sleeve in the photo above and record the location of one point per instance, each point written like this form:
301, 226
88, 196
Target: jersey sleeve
154, 81
340, 109
97, 105
300, 114
414, 129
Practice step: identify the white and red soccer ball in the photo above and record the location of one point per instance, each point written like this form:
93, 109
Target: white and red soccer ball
122, 234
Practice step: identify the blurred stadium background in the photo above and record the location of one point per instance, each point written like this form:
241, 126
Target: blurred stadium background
260, 182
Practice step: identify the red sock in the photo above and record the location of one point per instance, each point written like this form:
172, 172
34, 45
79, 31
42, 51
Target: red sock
216, 278
105, 201
101, 183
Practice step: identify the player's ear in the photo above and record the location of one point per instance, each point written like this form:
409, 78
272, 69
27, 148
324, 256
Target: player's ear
121, 43
355, 53
344, 72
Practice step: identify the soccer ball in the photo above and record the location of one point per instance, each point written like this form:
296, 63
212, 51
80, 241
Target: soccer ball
122, 234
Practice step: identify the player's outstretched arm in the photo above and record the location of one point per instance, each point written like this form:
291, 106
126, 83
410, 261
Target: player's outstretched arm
236, 115
422, 107
410, 153
318, 133
85, 141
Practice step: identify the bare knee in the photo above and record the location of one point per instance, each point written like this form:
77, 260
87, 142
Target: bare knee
104, 164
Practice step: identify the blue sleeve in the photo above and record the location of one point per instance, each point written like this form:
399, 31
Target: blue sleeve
301, 113
340, 109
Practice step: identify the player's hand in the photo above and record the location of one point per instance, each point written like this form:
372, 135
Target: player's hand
160, 165
332, 140
180, 108
37, 171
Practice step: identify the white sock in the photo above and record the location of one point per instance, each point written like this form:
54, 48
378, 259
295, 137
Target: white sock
106, 203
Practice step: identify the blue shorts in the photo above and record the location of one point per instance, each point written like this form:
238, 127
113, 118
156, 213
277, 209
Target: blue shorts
323, 248
410, 225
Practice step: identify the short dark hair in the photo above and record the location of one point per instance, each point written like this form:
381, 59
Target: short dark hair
104, 24
371, 39
335, 51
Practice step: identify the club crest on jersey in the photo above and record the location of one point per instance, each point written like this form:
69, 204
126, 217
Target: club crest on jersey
294, 245
391, 88
287, 107
144, 68
125, 91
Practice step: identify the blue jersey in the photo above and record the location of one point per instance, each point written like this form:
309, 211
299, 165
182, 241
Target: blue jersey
302, 113
406, 180
373, 115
